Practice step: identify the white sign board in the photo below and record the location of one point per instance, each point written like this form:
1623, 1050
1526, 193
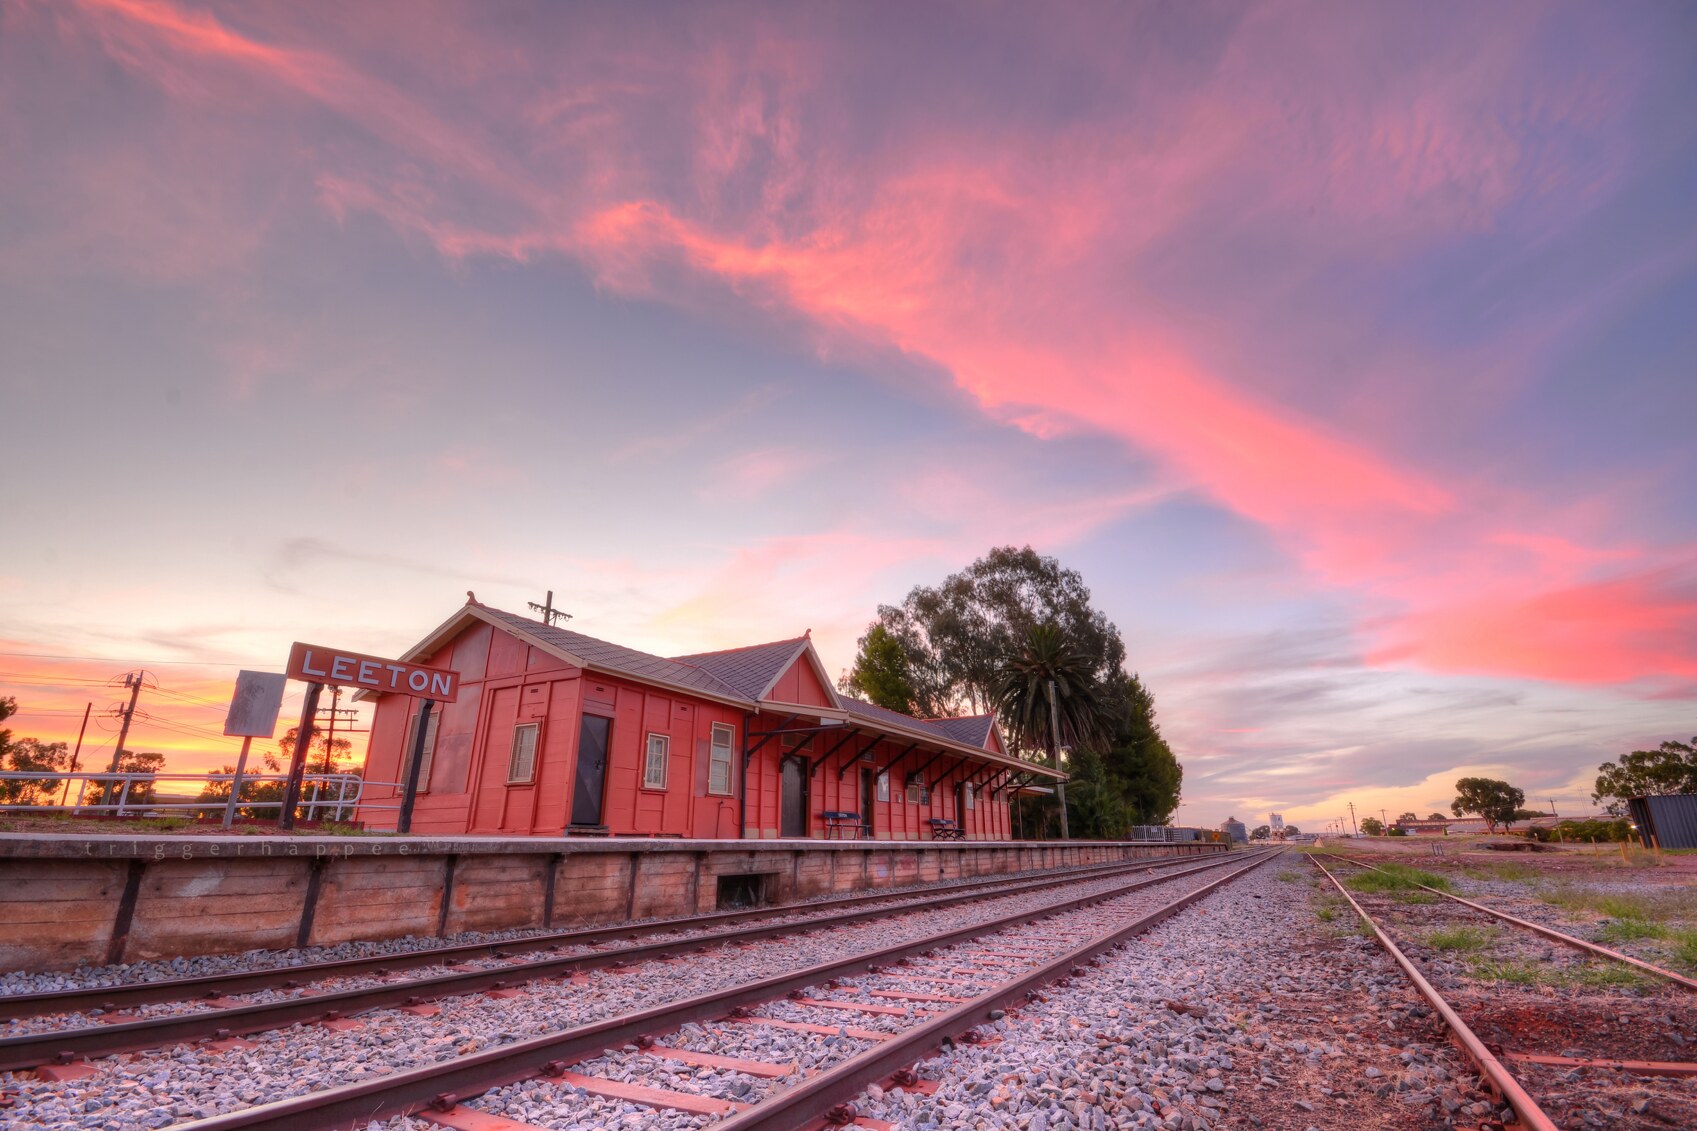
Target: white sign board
254, 706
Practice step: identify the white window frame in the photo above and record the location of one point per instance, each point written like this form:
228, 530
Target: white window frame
714, 761
884, 785
970, 793
917, 794
428, 756
661, 745
535, 730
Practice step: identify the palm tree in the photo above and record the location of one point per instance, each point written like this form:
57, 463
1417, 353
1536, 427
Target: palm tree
1046, 695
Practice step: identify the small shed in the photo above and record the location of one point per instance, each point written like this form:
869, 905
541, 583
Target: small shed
1667, 820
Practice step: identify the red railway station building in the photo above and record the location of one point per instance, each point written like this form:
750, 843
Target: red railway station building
557, 733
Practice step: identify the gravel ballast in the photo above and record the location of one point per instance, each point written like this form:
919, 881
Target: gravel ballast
191, 1081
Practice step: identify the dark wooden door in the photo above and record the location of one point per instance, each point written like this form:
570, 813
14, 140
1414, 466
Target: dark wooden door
591, 781
792, 810
868, 794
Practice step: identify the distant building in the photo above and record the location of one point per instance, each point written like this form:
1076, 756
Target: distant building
1276, 823
1233, 828
1665, 821
1425, 828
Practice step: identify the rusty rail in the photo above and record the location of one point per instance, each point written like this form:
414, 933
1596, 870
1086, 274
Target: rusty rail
1550, 933
219, 985
815, 1098
1498, 1077
31, 1049
355, 1105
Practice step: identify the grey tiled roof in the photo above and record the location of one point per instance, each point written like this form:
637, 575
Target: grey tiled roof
883, 716
616, 657
748, 669
737, 674
974, 730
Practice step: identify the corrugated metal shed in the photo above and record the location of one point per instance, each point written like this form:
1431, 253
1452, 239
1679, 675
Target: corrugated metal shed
1671, 819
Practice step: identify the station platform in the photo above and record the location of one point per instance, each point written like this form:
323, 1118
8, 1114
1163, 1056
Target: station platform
68, 900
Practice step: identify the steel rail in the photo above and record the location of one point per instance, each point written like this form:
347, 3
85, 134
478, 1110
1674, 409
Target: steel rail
818, 1097
442, 1084
13, 1006
1499, 1078
1548, 932
28, 1050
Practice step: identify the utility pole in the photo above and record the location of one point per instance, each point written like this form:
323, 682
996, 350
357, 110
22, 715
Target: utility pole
297, 762
330, 731
1356, 829
548, 611
75, 754
1055, 744
132, 681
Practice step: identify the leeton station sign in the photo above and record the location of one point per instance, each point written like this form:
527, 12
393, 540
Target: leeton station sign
320, 667
334, 666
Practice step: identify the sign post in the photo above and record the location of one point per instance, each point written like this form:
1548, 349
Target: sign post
415, 762
320, 667
253, 714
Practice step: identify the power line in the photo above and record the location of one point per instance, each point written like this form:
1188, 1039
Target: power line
110, 660
187, 698
37, 679
162, 721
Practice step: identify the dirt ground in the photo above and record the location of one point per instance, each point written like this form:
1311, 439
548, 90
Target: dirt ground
1579, 863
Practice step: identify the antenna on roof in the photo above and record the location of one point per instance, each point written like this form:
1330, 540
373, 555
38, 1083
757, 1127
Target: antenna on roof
549, 613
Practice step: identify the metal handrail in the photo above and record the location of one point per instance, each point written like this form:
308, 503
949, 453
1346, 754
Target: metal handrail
337, 793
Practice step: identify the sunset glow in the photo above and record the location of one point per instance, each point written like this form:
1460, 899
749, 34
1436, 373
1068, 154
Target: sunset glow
1348, 359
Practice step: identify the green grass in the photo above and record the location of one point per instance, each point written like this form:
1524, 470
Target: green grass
1616, 905
1626, 930
1293, 877
1511, 871
1462, 938
1596, 975
1667, 905
1392, 878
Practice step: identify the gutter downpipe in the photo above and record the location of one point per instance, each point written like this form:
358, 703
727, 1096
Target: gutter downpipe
742, 781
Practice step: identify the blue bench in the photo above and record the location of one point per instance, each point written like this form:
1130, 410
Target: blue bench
842, 824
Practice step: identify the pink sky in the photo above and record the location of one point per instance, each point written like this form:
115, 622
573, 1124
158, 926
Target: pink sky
1343, 356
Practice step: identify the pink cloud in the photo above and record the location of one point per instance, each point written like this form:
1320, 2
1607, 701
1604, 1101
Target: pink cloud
1611, 631
1017, 260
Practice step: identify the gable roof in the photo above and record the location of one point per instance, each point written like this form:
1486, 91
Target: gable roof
582, 651
601, 655
957, 734
739, 676
974, 730
751, 670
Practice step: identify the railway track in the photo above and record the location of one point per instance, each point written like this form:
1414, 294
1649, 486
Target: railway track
314, 995
896, 998
1503, 1012
210, 987
926, 972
